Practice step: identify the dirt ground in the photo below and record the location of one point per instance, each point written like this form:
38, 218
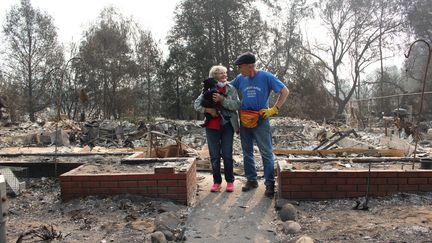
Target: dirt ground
231, 217
251, 217
116, 219
399, 218
216, 217
39, 213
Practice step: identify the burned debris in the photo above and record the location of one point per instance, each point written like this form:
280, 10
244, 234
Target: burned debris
110, 147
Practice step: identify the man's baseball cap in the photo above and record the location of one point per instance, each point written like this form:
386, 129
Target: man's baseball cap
245, 58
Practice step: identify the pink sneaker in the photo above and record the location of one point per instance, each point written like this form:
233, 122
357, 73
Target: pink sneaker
230, 187
215, 188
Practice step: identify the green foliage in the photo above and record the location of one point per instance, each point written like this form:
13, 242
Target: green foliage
34, 56
148, 58
121, 68
419, 15
309, 99
108, 58
207, 33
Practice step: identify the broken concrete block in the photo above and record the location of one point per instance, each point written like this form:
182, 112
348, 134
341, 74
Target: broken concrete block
397, 143
352, 143
12, 181
45, 138
60, 138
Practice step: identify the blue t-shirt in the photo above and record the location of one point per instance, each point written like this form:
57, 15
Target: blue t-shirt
255, 91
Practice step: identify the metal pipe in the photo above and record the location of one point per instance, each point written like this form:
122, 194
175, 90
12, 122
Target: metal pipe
423, 91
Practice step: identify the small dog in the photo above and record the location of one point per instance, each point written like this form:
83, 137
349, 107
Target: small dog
209, 88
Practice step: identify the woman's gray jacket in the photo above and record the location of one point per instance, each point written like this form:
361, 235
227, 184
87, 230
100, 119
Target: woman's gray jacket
231, 103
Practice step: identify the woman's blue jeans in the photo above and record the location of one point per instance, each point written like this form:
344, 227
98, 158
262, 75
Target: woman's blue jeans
263, 137
220, 144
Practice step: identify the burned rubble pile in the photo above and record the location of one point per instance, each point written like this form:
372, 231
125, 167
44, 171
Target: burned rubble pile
106, 133
116, 218
110, 219
127, 218
93, 168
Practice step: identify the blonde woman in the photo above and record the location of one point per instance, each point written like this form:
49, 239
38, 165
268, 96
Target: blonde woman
220, 130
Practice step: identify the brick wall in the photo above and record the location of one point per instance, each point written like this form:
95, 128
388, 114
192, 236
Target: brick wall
163, 183
320, 185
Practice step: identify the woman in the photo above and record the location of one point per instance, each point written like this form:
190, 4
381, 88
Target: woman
220, 138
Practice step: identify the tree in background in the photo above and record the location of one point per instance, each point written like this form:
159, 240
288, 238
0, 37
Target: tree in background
283, 46
419, 14
354, 29
149, 61
34, 56
71, 90
207, 33
107, 56
309, 98
282, 53
175, 85
389, 83
387, 11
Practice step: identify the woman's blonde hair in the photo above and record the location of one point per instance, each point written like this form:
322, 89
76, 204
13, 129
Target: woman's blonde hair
215, 69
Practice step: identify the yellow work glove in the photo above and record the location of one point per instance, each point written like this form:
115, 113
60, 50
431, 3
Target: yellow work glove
269, 112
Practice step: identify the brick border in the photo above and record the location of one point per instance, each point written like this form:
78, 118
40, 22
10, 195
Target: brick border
165, 182
330, 184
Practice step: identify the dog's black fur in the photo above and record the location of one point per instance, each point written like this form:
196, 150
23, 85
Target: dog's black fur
209, 88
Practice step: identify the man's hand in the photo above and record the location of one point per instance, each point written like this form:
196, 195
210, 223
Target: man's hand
269, 112
212, 112
217, 97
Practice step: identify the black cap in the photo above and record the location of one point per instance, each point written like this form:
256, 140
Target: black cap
245, 58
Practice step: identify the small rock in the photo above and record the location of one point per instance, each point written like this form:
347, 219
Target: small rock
280, 202
302, 239
167, 221
169, 207
291, 227
158, 237
288, 212
168, 235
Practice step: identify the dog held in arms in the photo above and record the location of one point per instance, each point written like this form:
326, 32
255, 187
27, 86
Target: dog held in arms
209, 88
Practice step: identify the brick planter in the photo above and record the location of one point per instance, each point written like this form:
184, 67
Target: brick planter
325, 184
164, 182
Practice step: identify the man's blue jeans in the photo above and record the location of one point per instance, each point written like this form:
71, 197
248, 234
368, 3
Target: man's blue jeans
263, 137
220, 144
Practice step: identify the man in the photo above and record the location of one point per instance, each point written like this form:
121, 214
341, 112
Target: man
254, 87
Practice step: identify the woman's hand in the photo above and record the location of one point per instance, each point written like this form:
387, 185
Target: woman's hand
217, 97
212, 112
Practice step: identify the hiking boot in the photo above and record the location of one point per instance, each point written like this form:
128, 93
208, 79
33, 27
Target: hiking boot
230, 187
270, 191
215, 188
250, 185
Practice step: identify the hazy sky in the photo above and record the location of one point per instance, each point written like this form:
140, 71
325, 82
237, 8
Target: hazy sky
71, 17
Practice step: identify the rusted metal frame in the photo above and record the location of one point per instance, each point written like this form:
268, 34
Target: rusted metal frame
153, 139
327, 140
342, 136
